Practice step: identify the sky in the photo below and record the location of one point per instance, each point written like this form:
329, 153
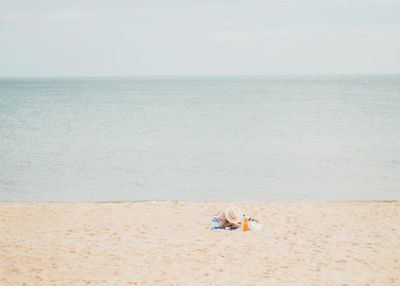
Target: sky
208, 37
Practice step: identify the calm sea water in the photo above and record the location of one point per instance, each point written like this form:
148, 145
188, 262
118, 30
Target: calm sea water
200, 138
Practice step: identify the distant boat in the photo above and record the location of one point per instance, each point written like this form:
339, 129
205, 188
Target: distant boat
366, 81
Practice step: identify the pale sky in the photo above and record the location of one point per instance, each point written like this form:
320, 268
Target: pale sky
133, 38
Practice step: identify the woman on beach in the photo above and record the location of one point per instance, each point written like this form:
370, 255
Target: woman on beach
232, 218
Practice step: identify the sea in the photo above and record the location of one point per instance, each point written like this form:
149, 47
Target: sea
200, 138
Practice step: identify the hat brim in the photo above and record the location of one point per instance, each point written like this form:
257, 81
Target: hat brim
236, 220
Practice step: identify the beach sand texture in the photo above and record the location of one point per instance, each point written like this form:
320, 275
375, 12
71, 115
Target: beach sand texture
157, 243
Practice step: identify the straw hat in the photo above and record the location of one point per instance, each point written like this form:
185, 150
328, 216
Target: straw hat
233, 214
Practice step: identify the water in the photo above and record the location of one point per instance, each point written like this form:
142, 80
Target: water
200, 138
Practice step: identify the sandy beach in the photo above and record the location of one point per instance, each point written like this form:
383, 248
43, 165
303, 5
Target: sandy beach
170, 243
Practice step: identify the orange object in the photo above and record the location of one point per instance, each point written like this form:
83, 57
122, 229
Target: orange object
246, 224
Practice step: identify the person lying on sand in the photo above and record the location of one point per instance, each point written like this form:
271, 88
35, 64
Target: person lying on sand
232, 218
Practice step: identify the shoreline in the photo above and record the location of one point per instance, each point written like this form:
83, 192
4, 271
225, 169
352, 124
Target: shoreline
170, 243
204, 202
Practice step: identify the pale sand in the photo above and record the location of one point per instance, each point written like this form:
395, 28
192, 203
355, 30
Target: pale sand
172, 244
